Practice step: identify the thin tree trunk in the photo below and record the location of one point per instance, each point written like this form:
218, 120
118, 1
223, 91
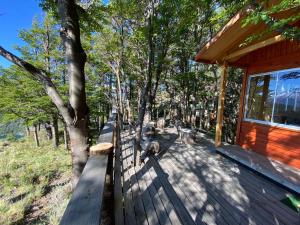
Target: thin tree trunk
119, 97
144, 93
36, 136
55, 139
66, 138
48, 130
128, 109
27, 131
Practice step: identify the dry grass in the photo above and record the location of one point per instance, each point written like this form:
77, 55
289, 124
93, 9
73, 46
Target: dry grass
33, 183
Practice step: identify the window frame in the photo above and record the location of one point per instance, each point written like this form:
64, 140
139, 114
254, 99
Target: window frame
271, 123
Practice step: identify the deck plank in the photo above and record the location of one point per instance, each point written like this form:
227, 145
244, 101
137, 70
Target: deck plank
227, 206
130, 217
146, 198
181, 210
201, 200
261, 208
258, 213
174, 218
194, 185
139, 209
157, 202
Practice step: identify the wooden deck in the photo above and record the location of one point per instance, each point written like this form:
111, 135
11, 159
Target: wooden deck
277, 171
195, 185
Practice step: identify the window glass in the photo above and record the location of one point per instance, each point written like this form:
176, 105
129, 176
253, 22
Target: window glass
261, 97
287, 104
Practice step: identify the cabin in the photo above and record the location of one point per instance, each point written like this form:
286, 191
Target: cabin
269, 116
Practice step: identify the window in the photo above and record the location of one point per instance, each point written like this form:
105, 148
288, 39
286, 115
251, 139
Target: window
274, 98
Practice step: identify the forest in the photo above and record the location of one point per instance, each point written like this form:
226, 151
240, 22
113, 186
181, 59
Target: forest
84, 59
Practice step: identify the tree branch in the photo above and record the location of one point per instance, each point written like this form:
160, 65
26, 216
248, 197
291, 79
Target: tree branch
43, 78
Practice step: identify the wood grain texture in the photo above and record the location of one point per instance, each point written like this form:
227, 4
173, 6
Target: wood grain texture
86, 202
118, 193
278, 56
87, 199
221, 99
254, 47
277, 143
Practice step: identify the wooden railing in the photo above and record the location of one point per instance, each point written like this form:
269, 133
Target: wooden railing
87, 199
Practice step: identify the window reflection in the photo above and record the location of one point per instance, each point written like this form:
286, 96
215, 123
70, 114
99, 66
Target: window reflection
287, 105
275, 97
261, 97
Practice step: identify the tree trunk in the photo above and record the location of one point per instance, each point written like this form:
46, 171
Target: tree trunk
119, 94
36, 136
79, 148
66, 139
144, 94
55, 139
48, 130
27, 131
76, 58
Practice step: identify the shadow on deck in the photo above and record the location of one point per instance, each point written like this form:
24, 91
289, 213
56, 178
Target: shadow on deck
195, 185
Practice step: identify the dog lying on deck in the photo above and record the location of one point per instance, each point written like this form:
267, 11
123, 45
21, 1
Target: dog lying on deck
151, 148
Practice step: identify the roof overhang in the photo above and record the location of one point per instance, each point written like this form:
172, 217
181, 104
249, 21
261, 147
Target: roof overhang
229, 44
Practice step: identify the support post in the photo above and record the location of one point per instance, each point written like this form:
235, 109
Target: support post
242, 106
223, 81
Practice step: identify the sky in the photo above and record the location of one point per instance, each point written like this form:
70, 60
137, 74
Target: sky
14, 16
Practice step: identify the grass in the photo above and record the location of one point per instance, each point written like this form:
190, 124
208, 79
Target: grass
27, 175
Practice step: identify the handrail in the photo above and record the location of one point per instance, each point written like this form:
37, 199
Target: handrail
87, 199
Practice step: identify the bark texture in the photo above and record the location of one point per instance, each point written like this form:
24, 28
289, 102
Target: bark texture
76, 58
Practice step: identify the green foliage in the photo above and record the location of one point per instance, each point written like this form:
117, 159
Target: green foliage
25, 173
90, 13
22, 98
266, 13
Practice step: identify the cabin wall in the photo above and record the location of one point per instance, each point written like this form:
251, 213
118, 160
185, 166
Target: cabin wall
278, 143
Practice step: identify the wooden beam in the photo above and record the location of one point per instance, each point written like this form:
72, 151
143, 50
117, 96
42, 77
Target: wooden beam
223, 81
254, 47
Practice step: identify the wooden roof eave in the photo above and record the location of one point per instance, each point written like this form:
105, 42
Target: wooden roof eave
227, 47
214, 40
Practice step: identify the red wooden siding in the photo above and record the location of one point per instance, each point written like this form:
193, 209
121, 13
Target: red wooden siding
282, 55
278, 143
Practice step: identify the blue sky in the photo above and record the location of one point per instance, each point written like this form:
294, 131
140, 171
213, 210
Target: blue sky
14, 16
